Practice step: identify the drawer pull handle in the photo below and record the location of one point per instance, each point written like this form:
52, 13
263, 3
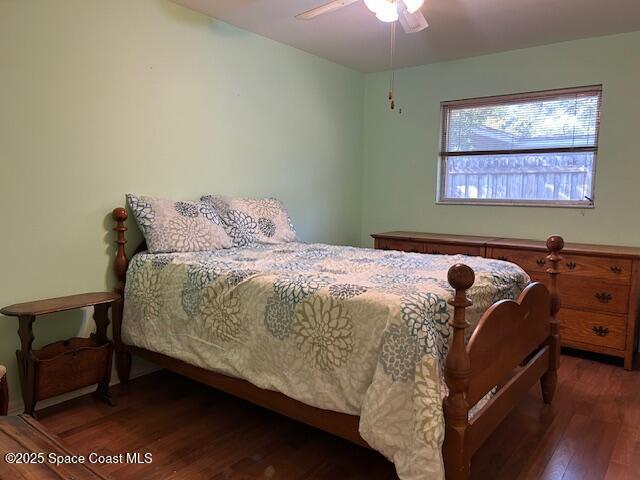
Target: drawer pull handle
435, 252
600, 331
540, 261
616, 269
503, 258
467, 253
571, 265
604, 297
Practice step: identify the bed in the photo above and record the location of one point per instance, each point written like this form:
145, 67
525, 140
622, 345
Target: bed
417, 356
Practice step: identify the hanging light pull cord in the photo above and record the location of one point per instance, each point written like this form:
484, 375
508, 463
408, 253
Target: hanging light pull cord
392, 100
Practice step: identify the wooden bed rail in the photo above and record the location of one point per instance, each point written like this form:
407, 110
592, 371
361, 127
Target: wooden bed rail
515, 344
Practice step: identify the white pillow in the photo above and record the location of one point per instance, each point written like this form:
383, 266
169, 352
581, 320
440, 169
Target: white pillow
182, 226
253, 220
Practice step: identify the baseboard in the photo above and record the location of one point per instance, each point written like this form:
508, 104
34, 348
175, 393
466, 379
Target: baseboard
17, 406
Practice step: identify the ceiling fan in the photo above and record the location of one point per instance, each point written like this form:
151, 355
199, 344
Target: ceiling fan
406, 11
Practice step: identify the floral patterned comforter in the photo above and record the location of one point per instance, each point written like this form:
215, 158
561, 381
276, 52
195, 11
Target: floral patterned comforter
353, 330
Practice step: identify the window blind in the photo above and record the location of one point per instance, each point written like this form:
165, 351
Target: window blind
538, 147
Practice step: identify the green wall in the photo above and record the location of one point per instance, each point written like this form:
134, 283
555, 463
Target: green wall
401, 150
99, 98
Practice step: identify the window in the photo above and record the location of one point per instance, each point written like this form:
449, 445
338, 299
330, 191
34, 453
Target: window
526, 149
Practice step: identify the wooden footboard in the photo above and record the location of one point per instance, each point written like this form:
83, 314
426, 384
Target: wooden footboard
515, 344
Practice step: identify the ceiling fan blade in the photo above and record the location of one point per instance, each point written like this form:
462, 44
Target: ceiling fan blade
412, 22
326, 8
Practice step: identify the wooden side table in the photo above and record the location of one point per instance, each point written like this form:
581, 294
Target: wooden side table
67, 365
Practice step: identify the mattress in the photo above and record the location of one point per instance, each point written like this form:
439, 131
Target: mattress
353, 330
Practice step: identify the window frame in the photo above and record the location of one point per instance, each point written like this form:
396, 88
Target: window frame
443, 155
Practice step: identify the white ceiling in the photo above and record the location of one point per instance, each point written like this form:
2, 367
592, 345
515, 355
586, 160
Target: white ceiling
353, 37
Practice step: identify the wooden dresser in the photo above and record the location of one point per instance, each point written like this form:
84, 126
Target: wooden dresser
598, 283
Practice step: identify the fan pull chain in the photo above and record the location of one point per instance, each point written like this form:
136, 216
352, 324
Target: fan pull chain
392, 100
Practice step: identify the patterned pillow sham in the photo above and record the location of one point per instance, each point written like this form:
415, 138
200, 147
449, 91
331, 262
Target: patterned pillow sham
183, 226
253, 220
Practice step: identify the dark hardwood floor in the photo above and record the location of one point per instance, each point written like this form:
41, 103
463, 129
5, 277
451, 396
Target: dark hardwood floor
592, 431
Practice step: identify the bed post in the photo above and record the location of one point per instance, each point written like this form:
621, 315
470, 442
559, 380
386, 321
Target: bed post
457, 374
120, 264
549, 380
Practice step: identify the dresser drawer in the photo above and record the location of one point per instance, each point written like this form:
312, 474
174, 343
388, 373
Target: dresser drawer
529, 260
448, 249
581, 292
606, 268
402, 245
592, 328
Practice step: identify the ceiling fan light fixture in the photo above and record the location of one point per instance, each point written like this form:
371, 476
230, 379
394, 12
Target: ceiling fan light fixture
413, 5
375, 5
387, 16
385, 10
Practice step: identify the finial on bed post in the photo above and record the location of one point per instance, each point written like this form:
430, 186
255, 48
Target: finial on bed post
457, 374
120, 265
549, 380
